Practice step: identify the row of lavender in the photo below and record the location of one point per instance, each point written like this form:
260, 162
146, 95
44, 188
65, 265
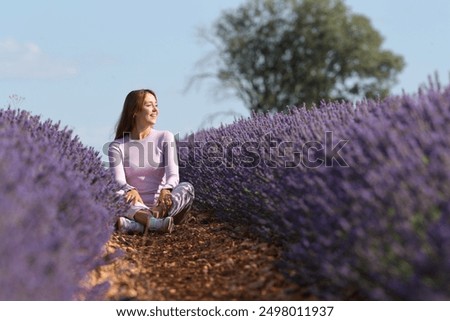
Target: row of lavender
57, 210
357, 195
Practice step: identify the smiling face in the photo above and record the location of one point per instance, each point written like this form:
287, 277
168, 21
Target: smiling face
148, 114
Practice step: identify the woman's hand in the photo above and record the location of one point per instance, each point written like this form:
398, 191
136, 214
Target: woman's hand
163, 204
133, 197
165, 198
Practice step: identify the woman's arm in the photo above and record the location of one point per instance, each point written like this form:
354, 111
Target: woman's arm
170, 161
116, 165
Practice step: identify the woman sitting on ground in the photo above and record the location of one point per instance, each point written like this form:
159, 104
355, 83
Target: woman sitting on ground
144, 162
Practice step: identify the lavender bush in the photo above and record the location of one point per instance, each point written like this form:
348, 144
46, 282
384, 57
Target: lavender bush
357, 195
57, 209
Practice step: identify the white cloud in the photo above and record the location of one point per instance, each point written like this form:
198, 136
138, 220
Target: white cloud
28, 61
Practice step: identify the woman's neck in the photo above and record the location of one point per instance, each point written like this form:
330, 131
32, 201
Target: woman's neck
140, 132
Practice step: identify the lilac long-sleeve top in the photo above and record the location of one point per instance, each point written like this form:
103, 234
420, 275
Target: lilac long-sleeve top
147, 165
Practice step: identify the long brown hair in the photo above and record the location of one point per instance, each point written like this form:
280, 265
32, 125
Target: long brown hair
134, 103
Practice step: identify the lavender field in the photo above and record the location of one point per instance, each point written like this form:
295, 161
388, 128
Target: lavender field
57, 210
357, 195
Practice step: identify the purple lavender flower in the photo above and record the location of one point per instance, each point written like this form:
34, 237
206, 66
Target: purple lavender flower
370, 218
57, 208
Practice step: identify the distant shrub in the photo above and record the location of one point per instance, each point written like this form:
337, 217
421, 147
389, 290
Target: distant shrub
358, 195
57, 209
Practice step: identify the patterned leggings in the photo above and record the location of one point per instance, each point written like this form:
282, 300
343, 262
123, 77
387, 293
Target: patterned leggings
182, 198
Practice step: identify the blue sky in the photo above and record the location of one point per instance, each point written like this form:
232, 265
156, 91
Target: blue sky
75, 61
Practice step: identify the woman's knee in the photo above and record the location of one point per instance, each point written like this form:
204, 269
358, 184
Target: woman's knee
187, 187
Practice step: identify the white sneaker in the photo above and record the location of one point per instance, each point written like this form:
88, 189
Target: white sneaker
160, 224
127, 226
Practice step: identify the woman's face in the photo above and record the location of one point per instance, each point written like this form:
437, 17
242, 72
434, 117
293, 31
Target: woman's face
149, 112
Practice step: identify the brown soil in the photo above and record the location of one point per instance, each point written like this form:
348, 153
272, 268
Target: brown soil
204, 259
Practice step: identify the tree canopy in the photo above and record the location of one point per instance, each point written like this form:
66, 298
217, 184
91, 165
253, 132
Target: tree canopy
278, 53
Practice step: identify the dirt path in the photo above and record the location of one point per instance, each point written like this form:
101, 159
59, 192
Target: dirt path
205, 259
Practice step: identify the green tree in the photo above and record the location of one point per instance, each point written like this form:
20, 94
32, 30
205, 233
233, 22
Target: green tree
278, 53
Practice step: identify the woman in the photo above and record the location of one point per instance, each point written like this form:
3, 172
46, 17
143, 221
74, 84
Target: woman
144, 163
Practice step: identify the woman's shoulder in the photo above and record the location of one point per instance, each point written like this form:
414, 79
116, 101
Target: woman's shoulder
118, 142
166, 135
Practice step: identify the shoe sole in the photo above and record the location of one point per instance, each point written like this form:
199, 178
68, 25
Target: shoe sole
170, 226
119, 225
